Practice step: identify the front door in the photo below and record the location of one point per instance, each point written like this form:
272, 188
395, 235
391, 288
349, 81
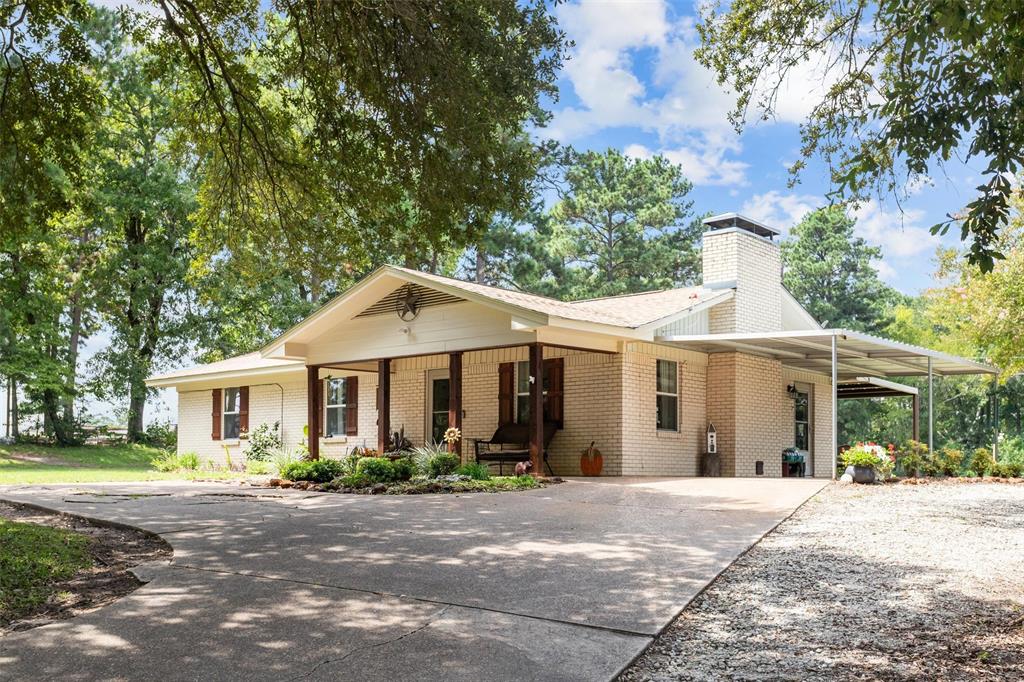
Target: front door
438, 387
802, 424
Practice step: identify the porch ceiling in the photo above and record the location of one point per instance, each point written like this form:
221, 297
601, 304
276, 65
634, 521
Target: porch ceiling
858, 354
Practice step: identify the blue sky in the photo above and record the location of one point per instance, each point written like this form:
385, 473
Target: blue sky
632, 84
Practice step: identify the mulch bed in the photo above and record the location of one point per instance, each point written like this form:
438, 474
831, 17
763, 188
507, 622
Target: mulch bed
113, 551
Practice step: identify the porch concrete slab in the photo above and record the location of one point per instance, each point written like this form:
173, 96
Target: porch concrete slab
608, 557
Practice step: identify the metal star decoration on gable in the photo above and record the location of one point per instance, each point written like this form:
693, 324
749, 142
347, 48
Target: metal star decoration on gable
408, 305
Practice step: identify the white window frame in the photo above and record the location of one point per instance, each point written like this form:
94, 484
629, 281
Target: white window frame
225, 413
342, 406
658, 392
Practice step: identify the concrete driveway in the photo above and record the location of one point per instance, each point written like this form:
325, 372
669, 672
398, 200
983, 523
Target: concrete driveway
568, 582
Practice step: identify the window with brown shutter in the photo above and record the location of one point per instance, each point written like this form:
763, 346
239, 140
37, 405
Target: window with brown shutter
554, 372
351, 406
506, 393
552, 387
320, 405
217, 406
243, 409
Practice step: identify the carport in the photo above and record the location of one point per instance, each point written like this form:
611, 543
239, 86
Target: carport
863, 388
858, 360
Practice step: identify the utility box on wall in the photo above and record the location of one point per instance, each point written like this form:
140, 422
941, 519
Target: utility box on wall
710, 462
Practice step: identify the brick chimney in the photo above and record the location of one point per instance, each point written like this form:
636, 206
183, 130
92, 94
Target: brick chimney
741, 254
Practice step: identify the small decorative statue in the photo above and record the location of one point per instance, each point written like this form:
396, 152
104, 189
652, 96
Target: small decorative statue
522, 468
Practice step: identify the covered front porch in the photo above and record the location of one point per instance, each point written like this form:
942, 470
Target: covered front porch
474, 390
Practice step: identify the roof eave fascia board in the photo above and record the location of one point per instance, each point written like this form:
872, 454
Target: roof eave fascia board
620, 331
172, 381
719, 297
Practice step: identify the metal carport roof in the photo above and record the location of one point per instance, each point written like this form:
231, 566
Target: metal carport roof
858, 354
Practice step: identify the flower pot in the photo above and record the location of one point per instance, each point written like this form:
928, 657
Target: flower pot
591, 461
863, 474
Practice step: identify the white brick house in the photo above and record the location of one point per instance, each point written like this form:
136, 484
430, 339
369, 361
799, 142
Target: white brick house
641, 375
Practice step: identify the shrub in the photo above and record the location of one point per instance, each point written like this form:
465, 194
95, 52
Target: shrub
1007, 470
377, 469
264, 443
913, 458
442, 464
948, 461
405, 468
478, 471
316, 470
351, 481
283, 458
982, 461
172, 461
421, 457
162, 435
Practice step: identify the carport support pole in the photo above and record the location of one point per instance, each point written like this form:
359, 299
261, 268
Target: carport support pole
835, 409
931, 406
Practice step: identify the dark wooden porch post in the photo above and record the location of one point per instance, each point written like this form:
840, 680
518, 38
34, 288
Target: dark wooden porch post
313, 410
383, 404
455, 397
537, 408
916, 408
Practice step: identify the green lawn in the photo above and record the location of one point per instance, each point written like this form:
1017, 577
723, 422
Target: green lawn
85, 464
31, 559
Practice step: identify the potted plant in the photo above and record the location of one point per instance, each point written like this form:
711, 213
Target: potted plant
869, 461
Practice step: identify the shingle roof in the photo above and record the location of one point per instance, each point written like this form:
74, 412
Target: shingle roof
630, 310
247, 362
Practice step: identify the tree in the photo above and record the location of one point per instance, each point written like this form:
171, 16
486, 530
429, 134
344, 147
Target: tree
906, 86
140, 201
373, 104
621, 225
829, 271
986, 309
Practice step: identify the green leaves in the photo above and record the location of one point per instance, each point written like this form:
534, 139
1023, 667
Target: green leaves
909, 86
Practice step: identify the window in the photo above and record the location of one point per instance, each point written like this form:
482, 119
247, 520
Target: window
523, 390
668, 395
335, 406
232, 417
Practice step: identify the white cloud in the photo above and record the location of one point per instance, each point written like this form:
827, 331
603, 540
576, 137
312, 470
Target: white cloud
898, 232
780, 209
688, 114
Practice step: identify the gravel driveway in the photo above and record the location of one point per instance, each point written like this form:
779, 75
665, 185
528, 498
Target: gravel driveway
865, 582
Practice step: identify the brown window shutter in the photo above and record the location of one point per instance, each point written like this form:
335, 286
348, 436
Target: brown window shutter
351, 406
218, 405
320, 406
554, 368
243, 409
506, 393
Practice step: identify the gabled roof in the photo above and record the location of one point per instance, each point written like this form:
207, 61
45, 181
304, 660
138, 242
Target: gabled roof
248, 365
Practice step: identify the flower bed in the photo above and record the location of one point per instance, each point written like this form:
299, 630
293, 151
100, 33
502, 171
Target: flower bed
420, 485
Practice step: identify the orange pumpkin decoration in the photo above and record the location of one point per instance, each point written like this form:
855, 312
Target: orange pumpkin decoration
591, 461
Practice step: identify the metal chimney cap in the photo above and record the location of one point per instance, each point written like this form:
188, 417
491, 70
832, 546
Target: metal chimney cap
727, 220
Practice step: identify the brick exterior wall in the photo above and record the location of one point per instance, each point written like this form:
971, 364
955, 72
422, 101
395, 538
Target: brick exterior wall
754, 264
609, 398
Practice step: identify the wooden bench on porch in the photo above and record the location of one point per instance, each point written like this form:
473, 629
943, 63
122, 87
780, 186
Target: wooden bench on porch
511, 444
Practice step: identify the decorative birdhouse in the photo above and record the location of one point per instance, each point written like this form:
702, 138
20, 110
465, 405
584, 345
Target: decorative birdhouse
712, 439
